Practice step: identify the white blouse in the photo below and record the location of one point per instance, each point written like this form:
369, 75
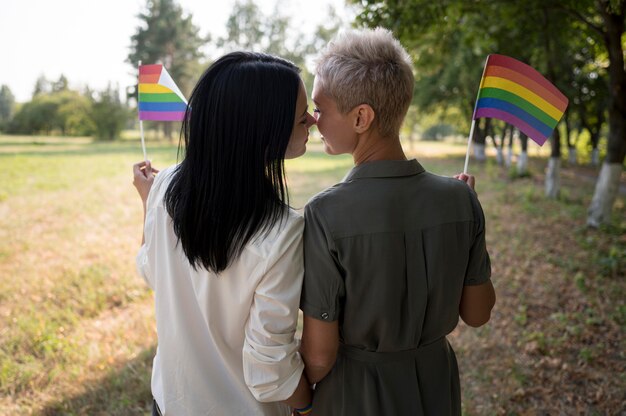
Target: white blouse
225, 343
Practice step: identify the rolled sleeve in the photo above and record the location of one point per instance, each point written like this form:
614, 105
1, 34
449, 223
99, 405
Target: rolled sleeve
271, 362
323, 283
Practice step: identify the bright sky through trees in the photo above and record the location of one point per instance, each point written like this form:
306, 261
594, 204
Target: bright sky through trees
87, 41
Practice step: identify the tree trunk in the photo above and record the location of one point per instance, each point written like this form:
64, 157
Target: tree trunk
608, 180
595, 156
605, 194
572, 156
522, 160
571, 144
553, 178
479, 140
509, 154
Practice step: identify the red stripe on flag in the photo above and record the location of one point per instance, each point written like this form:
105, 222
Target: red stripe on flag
150, 69
149, 78
529, 84
526, 70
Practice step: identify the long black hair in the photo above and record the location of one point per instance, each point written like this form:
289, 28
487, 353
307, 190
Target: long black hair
230, 185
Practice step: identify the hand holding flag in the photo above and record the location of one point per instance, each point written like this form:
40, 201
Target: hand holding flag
517, 94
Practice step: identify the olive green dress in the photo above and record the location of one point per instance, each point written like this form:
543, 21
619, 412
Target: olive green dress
387, 253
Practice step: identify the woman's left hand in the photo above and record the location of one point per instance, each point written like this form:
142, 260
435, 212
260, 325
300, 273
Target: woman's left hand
470, 180
143, 177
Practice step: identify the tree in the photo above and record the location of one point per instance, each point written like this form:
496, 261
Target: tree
7, 105
64, 112
607, 21
249, 29
168, 36
42, 86
108, 114
60, 85
540, 32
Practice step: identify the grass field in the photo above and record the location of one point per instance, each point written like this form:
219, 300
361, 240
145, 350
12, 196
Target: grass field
78, 334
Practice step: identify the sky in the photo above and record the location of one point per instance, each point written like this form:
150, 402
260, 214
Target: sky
88, 40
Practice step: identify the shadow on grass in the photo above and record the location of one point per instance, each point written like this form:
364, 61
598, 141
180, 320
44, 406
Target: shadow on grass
123, 391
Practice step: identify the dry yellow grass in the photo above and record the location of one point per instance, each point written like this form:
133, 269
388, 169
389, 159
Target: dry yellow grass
78, 333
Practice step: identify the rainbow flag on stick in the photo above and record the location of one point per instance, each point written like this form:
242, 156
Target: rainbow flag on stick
159, 97
517, 94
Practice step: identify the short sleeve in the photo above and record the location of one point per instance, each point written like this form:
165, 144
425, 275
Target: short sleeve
479, 264
323, 283
271, 363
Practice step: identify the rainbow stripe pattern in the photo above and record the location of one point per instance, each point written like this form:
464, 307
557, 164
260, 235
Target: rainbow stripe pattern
517, 94
159, 97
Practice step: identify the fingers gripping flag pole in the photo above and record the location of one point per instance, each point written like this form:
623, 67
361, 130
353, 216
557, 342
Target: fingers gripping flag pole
517, 94
159, 98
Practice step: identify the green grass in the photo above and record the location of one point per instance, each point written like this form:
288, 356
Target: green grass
78, 331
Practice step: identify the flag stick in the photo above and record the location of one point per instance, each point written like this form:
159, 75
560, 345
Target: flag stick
471, 134
143, 142
469, 145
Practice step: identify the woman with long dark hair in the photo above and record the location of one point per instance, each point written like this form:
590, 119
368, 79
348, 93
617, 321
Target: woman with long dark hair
222, 249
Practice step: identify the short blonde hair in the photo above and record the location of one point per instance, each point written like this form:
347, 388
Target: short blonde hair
368, 66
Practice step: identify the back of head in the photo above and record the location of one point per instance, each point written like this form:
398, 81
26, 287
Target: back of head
368, 66
230, 184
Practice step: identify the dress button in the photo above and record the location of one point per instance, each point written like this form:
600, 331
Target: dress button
325, 315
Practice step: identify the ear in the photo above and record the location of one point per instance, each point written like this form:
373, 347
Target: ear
363, 117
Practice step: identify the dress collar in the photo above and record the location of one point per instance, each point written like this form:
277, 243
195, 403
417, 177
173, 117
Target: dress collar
384, 169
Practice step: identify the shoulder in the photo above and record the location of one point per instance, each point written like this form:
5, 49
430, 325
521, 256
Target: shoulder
287, 230
328, 197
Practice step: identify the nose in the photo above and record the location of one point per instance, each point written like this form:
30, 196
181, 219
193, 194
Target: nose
310, 120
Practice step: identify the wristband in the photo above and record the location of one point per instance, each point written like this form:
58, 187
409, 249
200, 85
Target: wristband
305, 410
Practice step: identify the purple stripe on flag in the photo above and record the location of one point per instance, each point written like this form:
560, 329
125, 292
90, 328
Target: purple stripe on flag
162, 115
526, 128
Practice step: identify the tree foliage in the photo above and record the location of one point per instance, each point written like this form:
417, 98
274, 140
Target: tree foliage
64, 112
167, 35
571, 42
7, 105
108, 114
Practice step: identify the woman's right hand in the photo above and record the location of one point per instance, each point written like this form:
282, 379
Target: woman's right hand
143, 177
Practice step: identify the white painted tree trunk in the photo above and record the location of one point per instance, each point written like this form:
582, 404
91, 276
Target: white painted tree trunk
479, 152
509, 158
572, 157
605, 194
595, 157
553, 178
499, 156
522, 163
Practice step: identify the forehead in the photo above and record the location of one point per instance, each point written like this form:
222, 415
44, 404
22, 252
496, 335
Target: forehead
318, 93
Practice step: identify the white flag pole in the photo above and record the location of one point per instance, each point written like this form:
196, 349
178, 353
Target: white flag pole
469, 145
143, 143
471, 134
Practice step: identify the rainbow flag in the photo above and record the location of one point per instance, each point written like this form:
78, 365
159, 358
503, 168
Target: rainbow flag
517, 94
159, 97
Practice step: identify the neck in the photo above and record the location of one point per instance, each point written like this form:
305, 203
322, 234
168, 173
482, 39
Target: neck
373, 147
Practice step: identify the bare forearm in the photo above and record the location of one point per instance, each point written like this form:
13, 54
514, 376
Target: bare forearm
316, 373
320, 342
477, 303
